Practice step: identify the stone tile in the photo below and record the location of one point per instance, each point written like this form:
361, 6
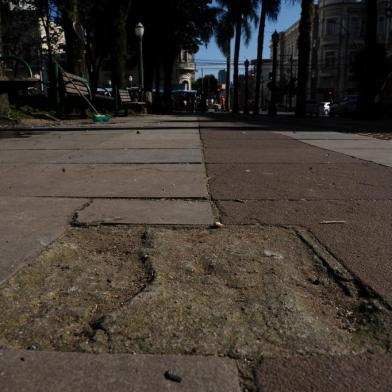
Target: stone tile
28, 225
362, 373
175, 212
27, 371
102, 156
126, 181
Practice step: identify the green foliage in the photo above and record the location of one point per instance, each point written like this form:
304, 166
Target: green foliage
207, 86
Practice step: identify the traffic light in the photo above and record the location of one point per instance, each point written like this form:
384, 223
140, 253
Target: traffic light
270, 76
329, 93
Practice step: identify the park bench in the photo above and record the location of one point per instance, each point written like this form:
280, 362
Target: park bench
72, 88
125, 102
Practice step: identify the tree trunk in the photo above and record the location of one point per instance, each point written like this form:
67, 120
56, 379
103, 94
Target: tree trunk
119, 52
237, 46
119, 55
74, 47
259, 65
168, 75
304, 45
4, 103
228, 71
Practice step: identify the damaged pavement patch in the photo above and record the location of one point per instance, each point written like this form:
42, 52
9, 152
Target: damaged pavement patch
187, 291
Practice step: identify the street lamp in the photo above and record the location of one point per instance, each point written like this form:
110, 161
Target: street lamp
139, 31
275, 42
246, 106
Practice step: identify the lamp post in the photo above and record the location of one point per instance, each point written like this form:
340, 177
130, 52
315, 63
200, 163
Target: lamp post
246, 106
275, 42
139, 31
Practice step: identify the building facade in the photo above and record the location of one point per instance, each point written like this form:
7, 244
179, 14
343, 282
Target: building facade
342, 26
184, 70
338, 28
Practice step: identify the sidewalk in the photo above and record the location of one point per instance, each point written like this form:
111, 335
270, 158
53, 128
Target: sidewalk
284, 181
148, 174
312, 180
293, 293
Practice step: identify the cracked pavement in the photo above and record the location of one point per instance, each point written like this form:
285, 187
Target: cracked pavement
148, 171
155, 170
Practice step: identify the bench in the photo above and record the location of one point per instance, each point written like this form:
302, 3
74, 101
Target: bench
124, 100
72, 88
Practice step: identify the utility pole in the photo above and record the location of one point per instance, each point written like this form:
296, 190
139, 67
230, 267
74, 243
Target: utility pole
291, 82
272, 106
246, 105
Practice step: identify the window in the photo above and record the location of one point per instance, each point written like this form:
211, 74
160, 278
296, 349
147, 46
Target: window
381, 25
332, 26
330, 59
355, 26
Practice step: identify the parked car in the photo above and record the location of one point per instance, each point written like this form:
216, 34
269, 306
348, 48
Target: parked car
324, 108
344, 107
214, 107
312, 108
107, 92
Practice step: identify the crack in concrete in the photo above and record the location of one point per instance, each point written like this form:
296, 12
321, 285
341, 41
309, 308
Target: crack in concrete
352, 285
74, 221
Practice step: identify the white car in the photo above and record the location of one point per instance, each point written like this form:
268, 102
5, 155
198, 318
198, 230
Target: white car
325, 108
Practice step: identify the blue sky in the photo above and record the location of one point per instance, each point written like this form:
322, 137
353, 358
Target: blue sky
289, 14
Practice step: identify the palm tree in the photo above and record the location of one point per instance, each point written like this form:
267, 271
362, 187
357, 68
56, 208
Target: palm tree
304, 44
244, 11
224, 33
270, 9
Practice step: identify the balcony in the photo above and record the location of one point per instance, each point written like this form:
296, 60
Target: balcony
186, 66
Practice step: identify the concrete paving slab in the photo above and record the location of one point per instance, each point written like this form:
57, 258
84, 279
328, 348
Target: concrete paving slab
362, 147
362, 373
35, 156
380, 156
158, 140
273, 155
296, 181
242, 135
27, 226
315, 135
125, 181
231, 125
124, 139
341, 145
102, 156
255, 144
361, 243
26, 371
145, 131
54, 142
167, 212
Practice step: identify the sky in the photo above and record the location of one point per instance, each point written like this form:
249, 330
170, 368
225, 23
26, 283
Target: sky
289, 14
